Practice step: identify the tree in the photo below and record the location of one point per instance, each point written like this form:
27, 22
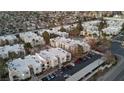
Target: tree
101, 25
79, 51
94, 35
106, 43
46, 37
12, 55
103, 45
28, 47
92, 42
104, 35
74, 32
62, 29
52, 35
110, 58
3, 69
79, 26
51, 24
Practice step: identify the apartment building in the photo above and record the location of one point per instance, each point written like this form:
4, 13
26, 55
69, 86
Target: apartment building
8, 40
18, 70
16, 50
32, 38
69, 44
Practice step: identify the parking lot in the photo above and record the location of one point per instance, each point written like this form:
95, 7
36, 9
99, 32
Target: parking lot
65, 72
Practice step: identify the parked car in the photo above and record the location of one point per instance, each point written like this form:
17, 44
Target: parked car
72, 64
48, 77
84, 59
44, 79
87, 57
77, 61
66, 75
69, 66
63, 69
51, 76
55, 74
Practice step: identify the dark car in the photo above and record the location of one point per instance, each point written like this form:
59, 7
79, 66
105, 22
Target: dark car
44, 79
52, 76
77, 61
69, 66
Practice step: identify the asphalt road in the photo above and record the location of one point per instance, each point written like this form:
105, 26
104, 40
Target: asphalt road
117, 48
117, 72
120, 77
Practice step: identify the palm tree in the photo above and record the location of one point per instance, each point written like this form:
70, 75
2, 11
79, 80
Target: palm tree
46, 37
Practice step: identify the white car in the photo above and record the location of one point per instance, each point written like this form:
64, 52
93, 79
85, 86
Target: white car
66, 76
72, 64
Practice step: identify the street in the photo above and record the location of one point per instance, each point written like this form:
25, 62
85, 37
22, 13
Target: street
117, 72
120, 77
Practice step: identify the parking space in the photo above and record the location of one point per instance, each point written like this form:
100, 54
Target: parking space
65, 72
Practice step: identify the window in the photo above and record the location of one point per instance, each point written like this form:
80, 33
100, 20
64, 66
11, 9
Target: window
42, 65
26, 72
36, 68
37, 61
55, 61
62, 58
37, 41
33, 40
68, 57
15, 78
43, 68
